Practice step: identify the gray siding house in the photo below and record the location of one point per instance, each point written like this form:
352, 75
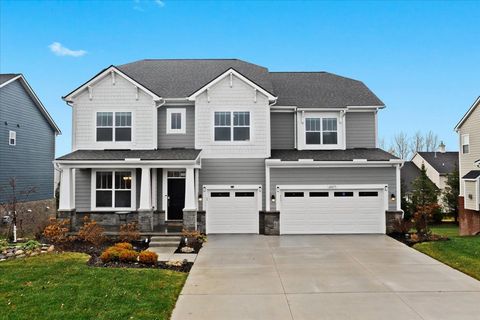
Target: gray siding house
226, 146
27, 140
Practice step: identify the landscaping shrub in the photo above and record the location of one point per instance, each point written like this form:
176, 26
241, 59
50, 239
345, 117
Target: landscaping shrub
124, 245
56, 231
148, 257
197, 235
119, 252
3, 244
31, 245
129, 232
91, 232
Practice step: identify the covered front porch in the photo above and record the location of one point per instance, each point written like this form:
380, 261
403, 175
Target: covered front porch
156, 188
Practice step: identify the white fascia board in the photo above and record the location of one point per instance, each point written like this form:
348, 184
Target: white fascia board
232, 187
465, 117
322, 109
103, 74
128, 163
331, 164
232, 71
365, 107
332, 187
35, 98
283, 108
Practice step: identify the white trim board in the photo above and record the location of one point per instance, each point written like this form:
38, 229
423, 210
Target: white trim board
466, 115
231, 72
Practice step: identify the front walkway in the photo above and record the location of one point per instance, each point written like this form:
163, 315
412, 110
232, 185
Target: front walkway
322, 277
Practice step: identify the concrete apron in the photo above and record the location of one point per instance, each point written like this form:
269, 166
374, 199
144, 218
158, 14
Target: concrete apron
322, 277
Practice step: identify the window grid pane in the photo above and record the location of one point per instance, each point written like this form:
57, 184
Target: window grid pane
104, 119
123, 119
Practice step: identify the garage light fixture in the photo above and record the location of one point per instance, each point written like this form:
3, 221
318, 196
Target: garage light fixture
273, 198
392, 197
200, 198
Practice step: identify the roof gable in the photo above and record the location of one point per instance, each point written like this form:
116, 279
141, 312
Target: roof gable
9, 78
443, 163
469, 112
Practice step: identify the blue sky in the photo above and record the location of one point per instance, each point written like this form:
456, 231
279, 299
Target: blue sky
421, 58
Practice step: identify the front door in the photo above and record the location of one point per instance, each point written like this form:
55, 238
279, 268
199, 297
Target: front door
176, 198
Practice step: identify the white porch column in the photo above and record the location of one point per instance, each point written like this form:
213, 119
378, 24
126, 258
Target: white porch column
190, 190
145, 190
66, 190
154, 188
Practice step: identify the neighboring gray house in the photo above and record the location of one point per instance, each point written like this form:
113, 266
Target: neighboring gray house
225, 146
27, 140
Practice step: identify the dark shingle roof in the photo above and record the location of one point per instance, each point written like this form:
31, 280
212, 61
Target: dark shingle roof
409, 173
321, 90
333, 155
4, 77
442, 162
179, 78
472, 174
161, 154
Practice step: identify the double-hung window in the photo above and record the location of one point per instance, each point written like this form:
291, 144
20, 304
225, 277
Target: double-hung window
321, 131
113, 189
176, 121
114, 126
228, 130
465, 143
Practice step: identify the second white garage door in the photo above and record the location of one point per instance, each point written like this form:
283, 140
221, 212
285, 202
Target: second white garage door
232, 209
326, 211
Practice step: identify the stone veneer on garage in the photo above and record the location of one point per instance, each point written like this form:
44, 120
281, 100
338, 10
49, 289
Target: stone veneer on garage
469, 220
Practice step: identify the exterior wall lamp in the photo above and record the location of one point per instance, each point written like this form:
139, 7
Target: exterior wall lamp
392, 197
273, 198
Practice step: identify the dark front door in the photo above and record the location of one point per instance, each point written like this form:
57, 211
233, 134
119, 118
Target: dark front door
176, 198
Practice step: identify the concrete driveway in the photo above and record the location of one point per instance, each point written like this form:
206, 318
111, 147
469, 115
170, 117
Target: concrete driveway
322, 277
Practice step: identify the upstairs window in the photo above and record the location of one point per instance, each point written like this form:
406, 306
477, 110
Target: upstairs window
228, 130
321, 131
176, 121
12, 138
110, 130
465, 144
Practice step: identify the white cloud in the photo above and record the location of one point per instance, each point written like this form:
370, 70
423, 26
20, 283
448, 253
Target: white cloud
160, 3
58, 49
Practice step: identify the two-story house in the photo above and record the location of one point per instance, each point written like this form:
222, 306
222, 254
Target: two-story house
27, 145
225, 146
468, 130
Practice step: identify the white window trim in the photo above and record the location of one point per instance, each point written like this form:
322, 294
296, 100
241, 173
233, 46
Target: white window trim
93, 190
183, 121
12, 135
301, 136
113, 126
466, 142
232, 126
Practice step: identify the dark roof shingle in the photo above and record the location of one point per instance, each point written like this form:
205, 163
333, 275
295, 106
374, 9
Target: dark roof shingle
333, 155
160, 154
444, 163
4, 77
474, 174
321, 90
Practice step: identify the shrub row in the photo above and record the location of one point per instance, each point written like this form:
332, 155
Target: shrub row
123, 252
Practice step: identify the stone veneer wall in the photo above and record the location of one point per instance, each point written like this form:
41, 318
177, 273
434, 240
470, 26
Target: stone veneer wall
390, 218
201, 222
269, 223
469, 220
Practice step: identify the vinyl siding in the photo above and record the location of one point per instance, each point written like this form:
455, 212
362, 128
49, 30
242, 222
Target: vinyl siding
360, 127
432, 174
472, 127
282, 130
187, 140
120, 97
471, 190
30, 161
333, 176
83, 178
239, 97
232, 172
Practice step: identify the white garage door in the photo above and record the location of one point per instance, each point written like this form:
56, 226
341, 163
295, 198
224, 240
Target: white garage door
317, 211
233, 210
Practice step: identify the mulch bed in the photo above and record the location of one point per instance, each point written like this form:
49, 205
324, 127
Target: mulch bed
95, 261
411, 239
192, 243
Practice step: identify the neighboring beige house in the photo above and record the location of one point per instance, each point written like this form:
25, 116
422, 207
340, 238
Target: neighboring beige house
469, 136
438, 164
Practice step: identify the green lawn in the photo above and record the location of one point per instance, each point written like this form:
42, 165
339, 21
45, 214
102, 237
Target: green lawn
62, 286
462, 253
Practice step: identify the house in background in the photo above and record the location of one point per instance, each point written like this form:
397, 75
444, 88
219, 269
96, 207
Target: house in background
226, 146
27, 142
468, 129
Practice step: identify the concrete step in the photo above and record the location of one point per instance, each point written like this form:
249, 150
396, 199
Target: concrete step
165, 238
164, 244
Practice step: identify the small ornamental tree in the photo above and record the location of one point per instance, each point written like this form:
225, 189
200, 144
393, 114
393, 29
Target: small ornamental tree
451, 193
424, 199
